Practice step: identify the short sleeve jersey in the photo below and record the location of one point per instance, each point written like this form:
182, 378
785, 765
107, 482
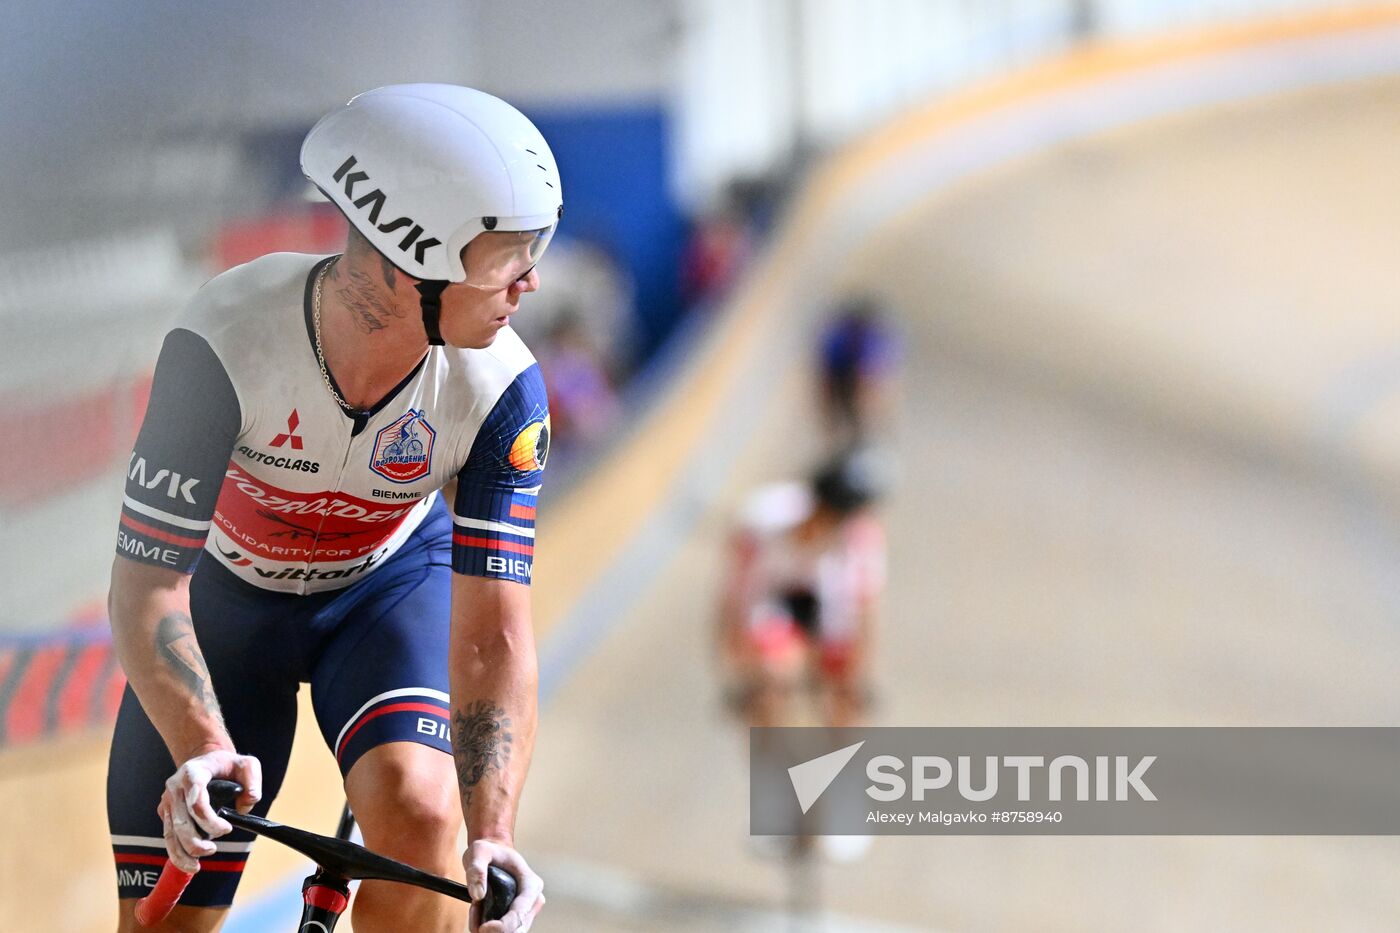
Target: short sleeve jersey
245, 455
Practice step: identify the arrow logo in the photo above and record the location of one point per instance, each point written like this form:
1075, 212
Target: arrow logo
811, 778
292, 421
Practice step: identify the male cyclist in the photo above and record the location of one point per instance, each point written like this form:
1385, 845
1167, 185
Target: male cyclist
807, 571
329, 438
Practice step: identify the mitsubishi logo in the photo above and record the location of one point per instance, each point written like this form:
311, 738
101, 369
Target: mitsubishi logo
292, 421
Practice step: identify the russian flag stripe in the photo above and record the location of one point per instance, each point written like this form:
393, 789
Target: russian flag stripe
494, 544
135, 858
505, 528
205, 864
156, 842
159, 515
167, 537
389, 695
383, 710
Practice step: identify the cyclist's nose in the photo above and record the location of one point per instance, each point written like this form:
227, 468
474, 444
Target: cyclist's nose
528, 282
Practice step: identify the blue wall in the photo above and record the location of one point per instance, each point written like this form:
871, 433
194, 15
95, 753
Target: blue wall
615, 162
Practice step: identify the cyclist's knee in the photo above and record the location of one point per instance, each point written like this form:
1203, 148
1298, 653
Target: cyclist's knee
404, 797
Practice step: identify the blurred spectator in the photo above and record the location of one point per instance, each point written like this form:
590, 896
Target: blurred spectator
582, 280
858, 355
719, 244
759, 198
582, 402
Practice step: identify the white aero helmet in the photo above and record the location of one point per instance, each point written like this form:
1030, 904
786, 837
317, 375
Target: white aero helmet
421, 169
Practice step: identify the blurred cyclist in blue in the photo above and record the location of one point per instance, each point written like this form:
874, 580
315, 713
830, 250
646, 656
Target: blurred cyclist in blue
858, 355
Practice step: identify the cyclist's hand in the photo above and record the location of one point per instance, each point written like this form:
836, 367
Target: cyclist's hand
185, 808
529, 898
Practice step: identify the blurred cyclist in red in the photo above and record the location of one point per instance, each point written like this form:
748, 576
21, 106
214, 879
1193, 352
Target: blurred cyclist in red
806, 574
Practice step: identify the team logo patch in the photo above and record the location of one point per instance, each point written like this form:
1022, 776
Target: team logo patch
403, 451
530, 449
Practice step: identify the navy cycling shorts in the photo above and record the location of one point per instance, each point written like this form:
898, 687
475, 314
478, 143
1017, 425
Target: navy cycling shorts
374, 653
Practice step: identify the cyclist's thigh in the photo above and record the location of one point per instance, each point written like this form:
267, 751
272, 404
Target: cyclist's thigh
256, 689
382, 675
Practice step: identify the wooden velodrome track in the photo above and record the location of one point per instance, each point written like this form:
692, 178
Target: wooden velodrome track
1150, 422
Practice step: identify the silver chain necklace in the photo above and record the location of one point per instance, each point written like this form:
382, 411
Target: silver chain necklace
316, 328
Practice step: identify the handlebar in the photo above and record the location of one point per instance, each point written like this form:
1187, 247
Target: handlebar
337, 857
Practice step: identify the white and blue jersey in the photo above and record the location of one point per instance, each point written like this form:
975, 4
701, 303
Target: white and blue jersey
331, 552
245, 454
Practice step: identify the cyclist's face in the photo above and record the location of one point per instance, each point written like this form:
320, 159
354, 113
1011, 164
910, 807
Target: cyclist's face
500, 268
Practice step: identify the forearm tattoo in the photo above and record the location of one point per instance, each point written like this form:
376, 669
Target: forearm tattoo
176, 646
481, 740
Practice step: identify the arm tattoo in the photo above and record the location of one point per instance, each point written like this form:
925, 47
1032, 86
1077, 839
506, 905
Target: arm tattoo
176, 645
368, 310
480, 742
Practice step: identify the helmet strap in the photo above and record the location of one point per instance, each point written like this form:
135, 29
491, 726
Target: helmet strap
430, 293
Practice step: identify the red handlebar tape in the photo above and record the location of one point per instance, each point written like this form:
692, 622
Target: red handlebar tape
156, 906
